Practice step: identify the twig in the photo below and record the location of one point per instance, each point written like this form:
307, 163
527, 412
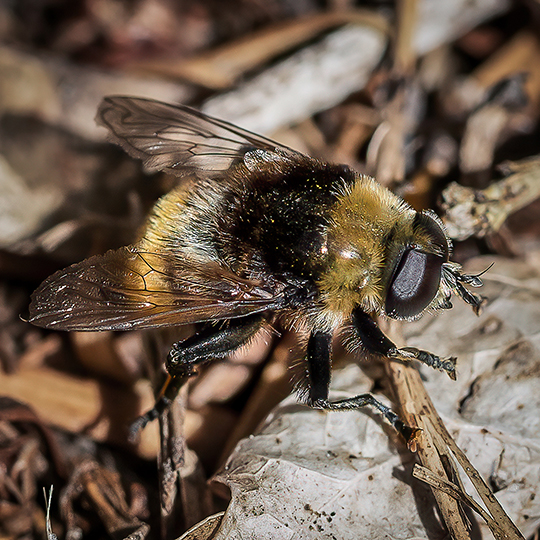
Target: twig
404, 53
504, 524
220, 69
50, 534
418, 411
435, 444
442, 484
471, 212
491, 121
386, 152
518, 54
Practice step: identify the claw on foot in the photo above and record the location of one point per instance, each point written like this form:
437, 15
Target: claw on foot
443, 364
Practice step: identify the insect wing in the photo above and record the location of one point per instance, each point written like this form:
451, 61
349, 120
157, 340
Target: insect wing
128, 289
179, 139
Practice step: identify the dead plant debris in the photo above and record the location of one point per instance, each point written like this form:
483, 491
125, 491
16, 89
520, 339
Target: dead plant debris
438, 100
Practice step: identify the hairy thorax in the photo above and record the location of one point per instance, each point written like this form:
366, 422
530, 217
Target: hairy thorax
361, 224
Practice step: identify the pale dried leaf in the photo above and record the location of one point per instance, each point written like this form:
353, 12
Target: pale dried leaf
310, 474
492, 408
205, 529
22, 208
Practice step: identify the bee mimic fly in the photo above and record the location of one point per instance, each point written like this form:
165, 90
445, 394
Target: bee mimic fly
257, 231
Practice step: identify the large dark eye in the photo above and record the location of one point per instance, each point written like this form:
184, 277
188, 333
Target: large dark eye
426, 223
414, 284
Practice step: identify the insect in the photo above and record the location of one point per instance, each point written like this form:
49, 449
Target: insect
258, 231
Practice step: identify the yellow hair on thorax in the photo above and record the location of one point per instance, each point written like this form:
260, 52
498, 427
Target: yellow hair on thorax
361, 221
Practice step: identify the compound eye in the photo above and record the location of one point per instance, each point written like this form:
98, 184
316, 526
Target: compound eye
414, 284
426, 223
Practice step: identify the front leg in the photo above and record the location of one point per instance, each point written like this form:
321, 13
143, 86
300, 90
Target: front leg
375, 341
319, 352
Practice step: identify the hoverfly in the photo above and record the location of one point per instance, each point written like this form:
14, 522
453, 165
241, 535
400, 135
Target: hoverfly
257, 231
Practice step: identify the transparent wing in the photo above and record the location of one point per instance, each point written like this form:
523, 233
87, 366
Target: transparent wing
127, 289
177, 138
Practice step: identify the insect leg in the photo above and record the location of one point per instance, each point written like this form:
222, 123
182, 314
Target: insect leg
375, 341
319, 352
210, 343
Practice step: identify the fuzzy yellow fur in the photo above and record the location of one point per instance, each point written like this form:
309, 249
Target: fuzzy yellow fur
360, 224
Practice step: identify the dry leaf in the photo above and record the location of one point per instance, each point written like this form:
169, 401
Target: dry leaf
310, 474
492, 408
205, 529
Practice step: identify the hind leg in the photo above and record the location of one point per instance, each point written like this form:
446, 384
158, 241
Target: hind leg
212, 342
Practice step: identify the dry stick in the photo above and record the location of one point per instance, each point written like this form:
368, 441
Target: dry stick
404, 53
435, 442
504, 523
170, 458
272, 387
418, 411
221, 68
48, 501
480, 212
386, 151
444, 485
172, 445
518, 54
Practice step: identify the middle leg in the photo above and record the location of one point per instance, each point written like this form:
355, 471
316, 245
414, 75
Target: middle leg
319, 351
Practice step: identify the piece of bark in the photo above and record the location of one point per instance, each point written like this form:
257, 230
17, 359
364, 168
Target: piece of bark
443, 22
417, 191
209, 437
357, 123
398, 98
68, 95
485, 128
387, 155
96, 351
172, 449
184, 493
518, 54
222, 380
219, 383
41, 352
407, 20
23, 208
